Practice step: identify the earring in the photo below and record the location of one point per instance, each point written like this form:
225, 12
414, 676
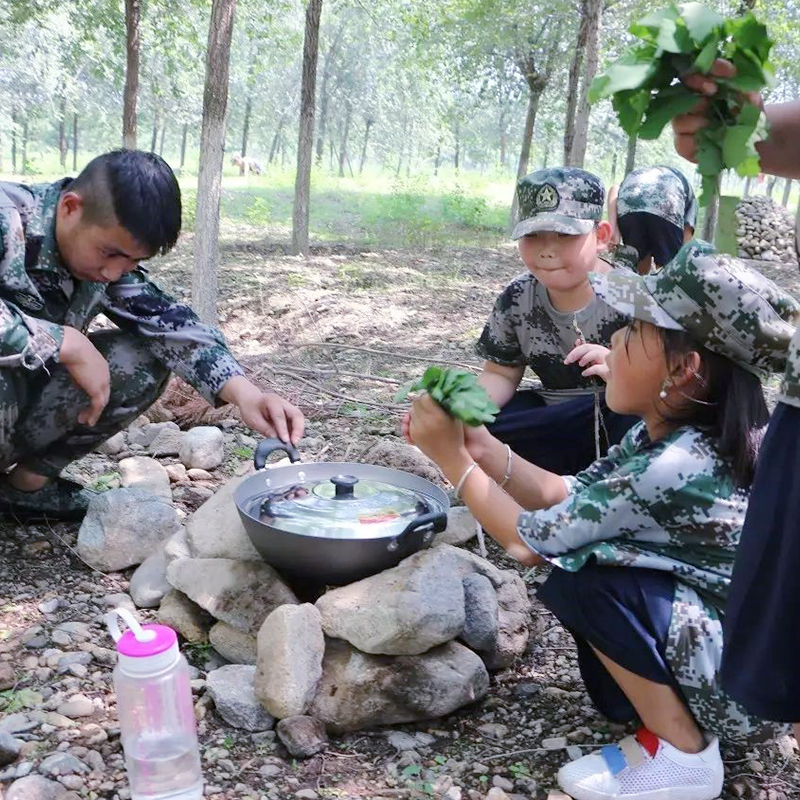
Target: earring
664, 387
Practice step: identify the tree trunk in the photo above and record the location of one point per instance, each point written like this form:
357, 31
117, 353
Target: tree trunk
212, 138
183, 143
594, 13
457, 155
14, 141
787, 189
327, 69
438, 156
771, 186
25, 146
276, 140
630, 158
62, 133
75, 142
712, 212
305, 139
154, 138
614, 169
502, 135
368, 125
345, 135
573, 81
534, 94
132, 11
161, 139
246, 129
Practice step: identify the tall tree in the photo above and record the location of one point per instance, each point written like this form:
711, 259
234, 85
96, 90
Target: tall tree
215, 104
305, 139
593, 13
131, 94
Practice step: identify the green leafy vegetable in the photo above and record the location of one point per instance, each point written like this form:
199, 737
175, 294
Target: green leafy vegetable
646, 89
457, 392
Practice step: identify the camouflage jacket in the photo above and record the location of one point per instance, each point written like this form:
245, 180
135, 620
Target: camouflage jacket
525, 329
38, 297
790, 385
670, 505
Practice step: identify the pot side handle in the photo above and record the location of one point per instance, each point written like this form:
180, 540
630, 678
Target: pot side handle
269, 446
431, 523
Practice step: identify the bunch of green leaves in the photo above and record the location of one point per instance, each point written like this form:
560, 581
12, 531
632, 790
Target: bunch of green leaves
457, 392
646, 89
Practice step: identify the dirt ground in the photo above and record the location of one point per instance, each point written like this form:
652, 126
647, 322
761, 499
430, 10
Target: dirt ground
338, 334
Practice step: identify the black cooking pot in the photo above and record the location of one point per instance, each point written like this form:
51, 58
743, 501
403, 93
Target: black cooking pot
334, 522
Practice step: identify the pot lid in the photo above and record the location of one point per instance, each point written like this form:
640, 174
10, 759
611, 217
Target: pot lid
343, 507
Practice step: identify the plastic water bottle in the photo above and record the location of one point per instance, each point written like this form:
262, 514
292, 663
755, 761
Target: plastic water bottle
156, 714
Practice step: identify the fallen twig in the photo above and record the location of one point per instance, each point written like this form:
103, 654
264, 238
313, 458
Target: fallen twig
391, 353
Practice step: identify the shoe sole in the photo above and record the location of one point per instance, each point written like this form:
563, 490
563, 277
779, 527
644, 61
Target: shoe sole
669, 793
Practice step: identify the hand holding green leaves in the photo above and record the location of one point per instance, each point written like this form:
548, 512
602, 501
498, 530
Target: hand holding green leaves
646, 89
457, 392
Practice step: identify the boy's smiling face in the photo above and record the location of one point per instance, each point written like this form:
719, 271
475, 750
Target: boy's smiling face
562, 261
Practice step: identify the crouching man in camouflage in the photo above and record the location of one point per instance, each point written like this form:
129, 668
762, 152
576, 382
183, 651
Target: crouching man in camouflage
69, 251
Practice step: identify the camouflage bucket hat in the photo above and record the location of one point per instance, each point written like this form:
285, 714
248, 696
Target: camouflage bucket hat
562, 199
730, 308
661, 191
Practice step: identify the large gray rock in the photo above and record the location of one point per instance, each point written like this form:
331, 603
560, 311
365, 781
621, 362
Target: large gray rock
231, 689
514, 606
302, 736
144, 435
461, 527
167, 441
406, 610
140, 472
177, 546
35, 787
360, 690
241, 593
289, 668
481, 626
123, 527
233, 645
113, 445
9, 748
149, 582
202, 447
215, 530
187, 618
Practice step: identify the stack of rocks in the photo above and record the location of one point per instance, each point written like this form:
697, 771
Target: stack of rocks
766, 231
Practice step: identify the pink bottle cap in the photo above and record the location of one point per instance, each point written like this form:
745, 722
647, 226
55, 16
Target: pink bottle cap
143, 649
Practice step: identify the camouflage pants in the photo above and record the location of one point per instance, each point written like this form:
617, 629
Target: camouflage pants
38, 412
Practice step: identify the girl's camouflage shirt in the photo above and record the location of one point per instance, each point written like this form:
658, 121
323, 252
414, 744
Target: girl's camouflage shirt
670, 505
39, 297
524, 329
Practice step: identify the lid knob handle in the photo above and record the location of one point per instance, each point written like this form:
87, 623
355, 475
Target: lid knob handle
344, 486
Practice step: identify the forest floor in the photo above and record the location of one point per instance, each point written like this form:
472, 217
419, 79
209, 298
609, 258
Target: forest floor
337, 334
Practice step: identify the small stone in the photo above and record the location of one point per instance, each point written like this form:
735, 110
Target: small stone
62, 764
35, 787
756, 766
149, 582
49, 606
306, 794
461, 527
167, 441
9, 748
233, 645
113, 445
202, 448
556, 743
77, 706
502, 783
7, 676
481, 624
574, 752
496, 793
196, 474
494, 729
184, 616
139, 472
302, 736
401, 741
177, 473
231, 688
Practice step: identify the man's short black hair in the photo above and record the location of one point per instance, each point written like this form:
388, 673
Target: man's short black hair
138, 190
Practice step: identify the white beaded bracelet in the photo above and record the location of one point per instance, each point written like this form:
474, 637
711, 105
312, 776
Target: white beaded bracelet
507, 475
463, 479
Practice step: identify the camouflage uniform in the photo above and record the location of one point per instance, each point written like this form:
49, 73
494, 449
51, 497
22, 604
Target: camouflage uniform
157, 335
790, 385
524, 328
661, 191
672, 504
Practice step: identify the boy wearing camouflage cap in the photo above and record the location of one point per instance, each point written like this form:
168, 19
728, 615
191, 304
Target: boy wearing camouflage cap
68, 252
538, 317
654, 212
643, 542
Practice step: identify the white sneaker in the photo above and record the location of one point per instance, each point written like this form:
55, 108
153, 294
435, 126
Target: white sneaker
644, 767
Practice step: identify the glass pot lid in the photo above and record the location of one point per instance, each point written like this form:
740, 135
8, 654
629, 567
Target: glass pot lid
343, 507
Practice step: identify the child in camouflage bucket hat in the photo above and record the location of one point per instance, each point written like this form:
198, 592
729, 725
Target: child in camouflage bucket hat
538, 317
653, 212
643, 541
